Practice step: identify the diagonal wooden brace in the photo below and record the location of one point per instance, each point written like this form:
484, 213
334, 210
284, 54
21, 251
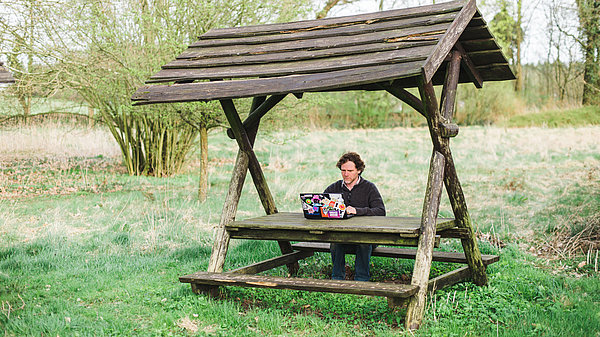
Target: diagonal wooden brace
453, 187
238, 176
258, 177
424, 255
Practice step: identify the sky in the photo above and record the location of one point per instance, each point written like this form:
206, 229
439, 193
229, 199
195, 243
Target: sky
535, 21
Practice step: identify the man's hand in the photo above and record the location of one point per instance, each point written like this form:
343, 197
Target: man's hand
350, 210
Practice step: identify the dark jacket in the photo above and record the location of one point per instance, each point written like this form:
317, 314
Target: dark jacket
364, 197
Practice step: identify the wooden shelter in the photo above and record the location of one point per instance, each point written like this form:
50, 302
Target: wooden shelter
442, 44
5, 75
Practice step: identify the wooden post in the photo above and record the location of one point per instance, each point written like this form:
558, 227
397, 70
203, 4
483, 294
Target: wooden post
424, 255
453, 187
451, 84
221, 244
258, 177
245, 146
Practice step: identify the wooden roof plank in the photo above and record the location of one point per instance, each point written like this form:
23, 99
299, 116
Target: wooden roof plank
271, 86
328, 23
297, 55
345, 31
296, 67
449, 40
479, 44
396, 35
358, 52
477, 33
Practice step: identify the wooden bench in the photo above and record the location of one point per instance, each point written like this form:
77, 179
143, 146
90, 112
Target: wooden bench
206, 282
401, 253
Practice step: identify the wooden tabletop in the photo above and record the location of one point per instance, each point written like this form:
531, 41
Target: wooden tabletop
358, 229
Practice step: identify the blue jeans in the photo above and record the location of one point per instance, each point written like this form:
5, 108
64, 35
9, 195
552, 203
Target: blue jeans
363, 257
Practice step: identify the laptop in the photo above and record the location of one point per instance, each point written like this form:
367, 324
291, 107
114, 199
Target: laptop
323, 206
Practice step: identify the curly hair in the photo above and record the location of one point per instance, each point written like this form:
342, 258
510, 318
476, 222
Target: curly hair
353, 157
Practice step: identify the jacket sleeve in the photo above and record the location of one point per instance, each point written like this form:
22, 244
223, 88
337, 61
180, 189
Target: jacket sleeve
376, 206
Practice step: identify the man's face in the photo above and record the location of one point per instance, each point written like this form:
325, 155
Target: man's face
349, 172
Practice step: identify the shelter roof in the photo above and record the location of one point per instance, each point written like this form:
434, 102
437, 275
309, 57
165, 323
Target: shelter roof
5, 75
332, 54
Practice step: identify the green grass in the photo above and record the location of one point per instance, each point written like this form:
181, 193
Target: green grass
106, 261
587, 115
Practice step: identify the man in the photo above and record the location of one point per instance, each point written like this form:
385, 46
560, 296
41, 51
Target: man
361, 198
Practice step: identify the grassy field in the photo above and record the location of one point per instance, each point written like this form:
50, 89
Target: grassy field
86, 250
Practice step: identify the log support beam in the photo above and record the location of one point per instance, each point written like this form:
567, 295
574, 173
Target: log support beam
246, 160
257, 113
424, 256
452, 184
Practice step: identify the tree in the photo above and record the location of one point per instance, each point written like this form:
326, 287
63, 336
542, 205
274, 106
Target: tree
20, 31
509, 34
202, 116
589, 29
104, 50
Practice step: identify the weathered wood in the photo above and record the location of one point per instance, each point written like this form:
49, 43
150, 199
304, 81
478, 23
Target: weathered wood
221, 243
406, 97
476, 33
424, 33
249, 55
459, 207
424, 256
305, 284
258, 178
449, 40
450, 86
256, 114
275, 262
455, 233
452, 184
486, 57
398, 253
326, 23
238, 176
448, 130
346, 31
448, 279
273, 86
404, 226
296, 67
478, 45
335, 237
253, 164
320, 47
470, 67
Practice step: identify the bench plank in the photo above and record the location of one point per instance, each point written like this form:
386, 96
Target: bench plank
306, 284
402, 253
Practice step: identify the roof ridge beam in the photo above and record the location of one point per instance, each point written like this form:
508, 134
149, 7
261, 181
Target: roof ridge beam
449, 39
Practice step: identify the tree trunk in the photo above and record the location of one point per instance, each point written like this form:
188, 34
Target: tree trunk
519, 40
589, 20
203, 185
90, 117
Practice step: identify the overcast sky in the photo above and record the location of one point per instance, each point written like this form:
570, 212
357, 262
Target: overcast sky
535, 21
